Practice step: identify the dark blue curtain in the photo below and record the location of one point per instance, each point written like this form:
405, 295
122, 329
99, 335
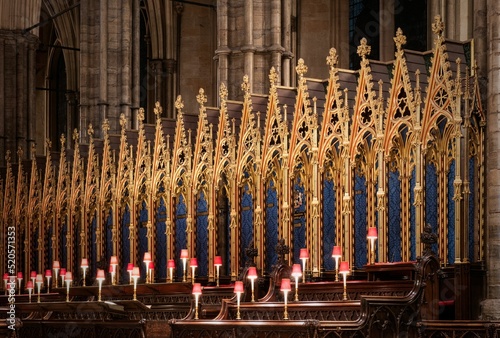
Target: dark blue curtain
451, 214
246, 221
431, 198
272, 223
299, 219
394, 220
202, 236
143, 238
180, 235
329, 209
360, 222
161, 241
125, 252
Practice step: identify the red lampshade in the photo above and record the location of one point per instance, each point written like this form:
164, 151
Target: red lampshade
304, 253
285, 285
344, 267
130, 267
56, 265
113, 260
19, 275
217, 260
193, 262
100, 274
111, 269
6, 276
63, 271
196, 289
238, 287
85, 263
171, 264
39, 278
372, 232
337, 252
252, 272
184, 254
48, 273
147, 257
296, 270
136, 272
33, 274
29, 285
151, 265
69, 276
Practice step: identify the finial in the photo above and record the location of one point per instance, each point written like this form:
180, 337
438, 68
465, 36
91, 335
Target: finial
140, 115
157, 110
301, 68
273, 77
245, 86
75, 135
223, 92
363, 48
400, 39
123, 121
332, 58
178, 103
438, 25
20, 153
201, 97
105, 126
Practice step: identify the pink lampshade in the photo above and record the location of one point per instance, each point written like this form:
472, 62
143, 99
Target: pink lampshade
111, 269
184, 254
337, 252
63, 271
19, 275
56, 265
217, 260
304, 253
136, 272
344, 267
151, 265
372, 232
69, 276
130, 267
171, 264
193, 262
33, 274
147, 257
5, 276
285, 285
39, 278
113, 260
100, 274
29, 285
85, 263
252, 272
238, 287
296, 270
196, 289
48, 273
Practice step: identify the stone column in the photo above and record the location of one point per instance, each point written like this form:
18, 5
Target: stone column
491, 306
386, 23
17, 92
168, 109
276, 48
222, 52
286, 41
248, 48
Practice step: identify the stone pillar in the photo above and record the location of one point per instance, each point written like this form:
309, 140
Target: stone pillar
286, 41
491, 306
17, 92
276, 48
222, 52
168, 109
386, 23
248, 48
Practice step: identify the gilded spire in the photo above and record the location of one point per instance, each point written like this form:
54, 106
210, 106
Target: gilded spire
301, 68
400, 39
438, 26
364, 49
332, 58
157, 110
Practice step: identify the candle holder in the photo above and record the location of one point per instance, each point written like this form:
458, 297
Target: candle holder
100, 278
48, 275
218, 264
344, 270
84, 265
19, 280
33, 276
304, 256
136, 273
285, 288
372, 236
56, 266
39, 282
197, 294
29, 287
296, 273
146, 260
114, 275
62, 273
252, 275
130, 268
184, 257
151, 270
238, 289
68, 279
171, 267
337, 254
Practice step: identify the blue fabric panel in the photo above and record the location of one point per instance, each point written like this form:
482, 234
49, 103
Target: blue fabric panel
394, 220
299, 220
125, 252
431, 200
271, 227
246, 221
202, 236
64, 245
180, 235
451, 214
142, 233
109, 243
360, 222
161, 241
329, 240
